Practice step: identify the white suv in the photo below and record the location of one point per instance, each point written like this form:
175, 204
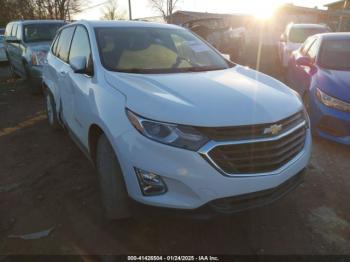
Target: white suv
294, 36
169, 122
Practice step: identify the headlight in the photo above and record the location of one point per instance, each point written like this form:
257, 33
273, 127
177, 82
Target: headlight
39, 58
171, 134
332, 101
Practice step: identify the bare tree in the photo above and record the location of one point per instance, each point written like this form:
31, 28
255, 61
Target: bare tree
165, 8
112, 11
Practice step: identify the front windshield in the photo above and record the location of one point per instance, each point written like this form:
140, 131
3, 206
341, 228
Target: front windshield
41, 32
335, 54
155, 50
299, 35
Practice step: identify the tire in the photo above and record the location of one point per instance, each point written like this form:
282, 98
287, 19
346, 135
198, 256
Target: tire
50, 108
35, 89
306, 102
12, 70
113, 191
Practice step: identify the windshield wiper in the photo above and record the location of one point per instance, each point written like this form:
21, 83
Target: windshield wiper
201, 69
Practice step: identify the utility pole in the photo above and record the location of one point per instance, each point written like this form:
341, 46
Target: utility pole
130, 14
170, 11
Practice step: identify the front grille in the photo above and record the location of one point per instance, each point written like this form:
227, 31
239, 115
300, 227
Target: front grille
249, 131
258, 157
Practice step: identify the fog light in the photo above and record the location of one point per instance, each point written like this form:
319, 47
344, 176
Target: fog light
150, 183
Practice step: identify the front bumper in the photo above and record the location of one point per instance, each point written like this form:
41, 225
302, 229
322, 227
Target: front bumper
330, 123
192, 182
225, 206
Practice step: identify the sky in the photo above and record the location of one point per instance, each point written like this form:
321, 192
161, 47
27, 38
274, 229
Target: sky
142, 8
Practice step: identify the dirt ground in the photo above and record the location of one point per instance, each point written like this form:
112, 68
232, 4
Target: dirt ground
47, 183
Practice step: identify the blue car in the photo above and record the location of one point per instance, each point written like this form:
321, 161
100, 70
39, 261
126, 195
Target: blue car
320, 72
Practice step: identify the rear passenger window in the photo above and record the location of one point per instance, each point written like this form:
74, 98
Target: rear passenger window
19, 33
14, 30
8, 30
80, 44
64, 43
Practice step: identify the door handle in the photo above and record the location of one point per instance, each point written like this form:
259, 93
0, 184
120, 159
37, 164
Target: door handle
62, 73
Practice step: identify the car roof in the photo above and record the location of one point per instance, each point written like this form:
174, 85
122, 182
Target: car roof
308, 26
96, 24
335, 36
26, 22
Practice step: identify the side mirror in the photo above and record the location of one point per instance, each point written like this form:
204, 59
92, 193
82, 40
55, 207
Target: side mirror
303, 61
78, 64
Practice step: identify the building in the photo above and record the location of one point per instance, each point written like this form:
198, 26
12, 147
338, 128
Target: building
339, 15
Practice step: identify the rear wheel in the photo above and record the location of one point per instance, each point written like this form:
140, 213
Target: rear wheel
50, 107
114, 195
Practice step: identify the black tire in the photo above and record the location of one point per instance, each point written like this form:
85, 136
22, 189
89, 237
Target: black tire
12, 70
114, 195
34, 87
306, 102
50, 109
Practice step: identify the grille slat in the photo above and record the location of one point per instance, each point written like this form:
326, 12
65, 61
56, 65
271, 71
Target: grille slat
250, 131
261, 156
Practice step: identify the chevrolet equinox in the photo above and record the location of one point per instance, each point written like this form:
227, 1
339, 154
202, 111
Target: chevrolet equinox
169, 122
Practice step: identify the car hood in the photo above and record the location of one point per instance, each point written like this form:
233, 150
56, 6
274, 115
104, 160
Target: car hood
236, 96
39, 46
335, 83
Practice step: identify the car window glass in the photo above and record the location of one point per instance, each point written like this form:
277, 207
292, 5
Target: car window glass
307, 45
54, 46
80, 44
8, 30
299, 35
14, 30
18, 35
312, 51
41, 32
64, 43
155, 50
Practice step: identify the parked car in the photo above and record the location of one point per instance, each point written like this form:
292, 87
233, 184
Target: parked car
220, 34
320, 72
294, 36
169, 122
2, 50
26, 44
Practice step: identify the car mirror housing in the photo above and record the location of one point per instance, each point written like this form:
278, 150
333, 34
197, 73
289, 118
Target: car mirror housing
303, 61
78, 64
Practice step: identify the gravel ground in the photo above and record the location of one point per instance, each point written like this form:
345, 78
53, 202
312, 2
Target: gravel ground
46, 182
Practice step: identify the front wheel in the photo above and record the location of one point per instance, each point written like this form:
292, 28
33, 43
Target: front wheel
114, 195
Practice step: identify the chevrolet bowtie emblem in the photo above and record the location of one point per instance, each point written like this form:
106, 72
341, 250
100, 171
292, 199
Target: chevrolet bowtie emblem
274, 129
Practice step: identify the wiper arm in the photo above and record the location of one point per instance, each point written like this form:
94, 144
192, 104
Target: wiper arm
201, 69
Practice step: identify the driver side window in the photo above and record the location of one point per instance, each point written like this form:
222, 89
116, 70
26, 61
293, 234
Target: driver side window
312, 51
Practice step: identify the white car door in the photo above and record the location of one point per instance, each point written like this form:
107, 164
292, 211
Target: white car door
63, 70
80, 84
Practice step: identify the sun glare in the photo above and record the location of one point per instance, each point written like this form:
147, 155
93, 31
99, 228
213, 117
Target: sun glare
266, 10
